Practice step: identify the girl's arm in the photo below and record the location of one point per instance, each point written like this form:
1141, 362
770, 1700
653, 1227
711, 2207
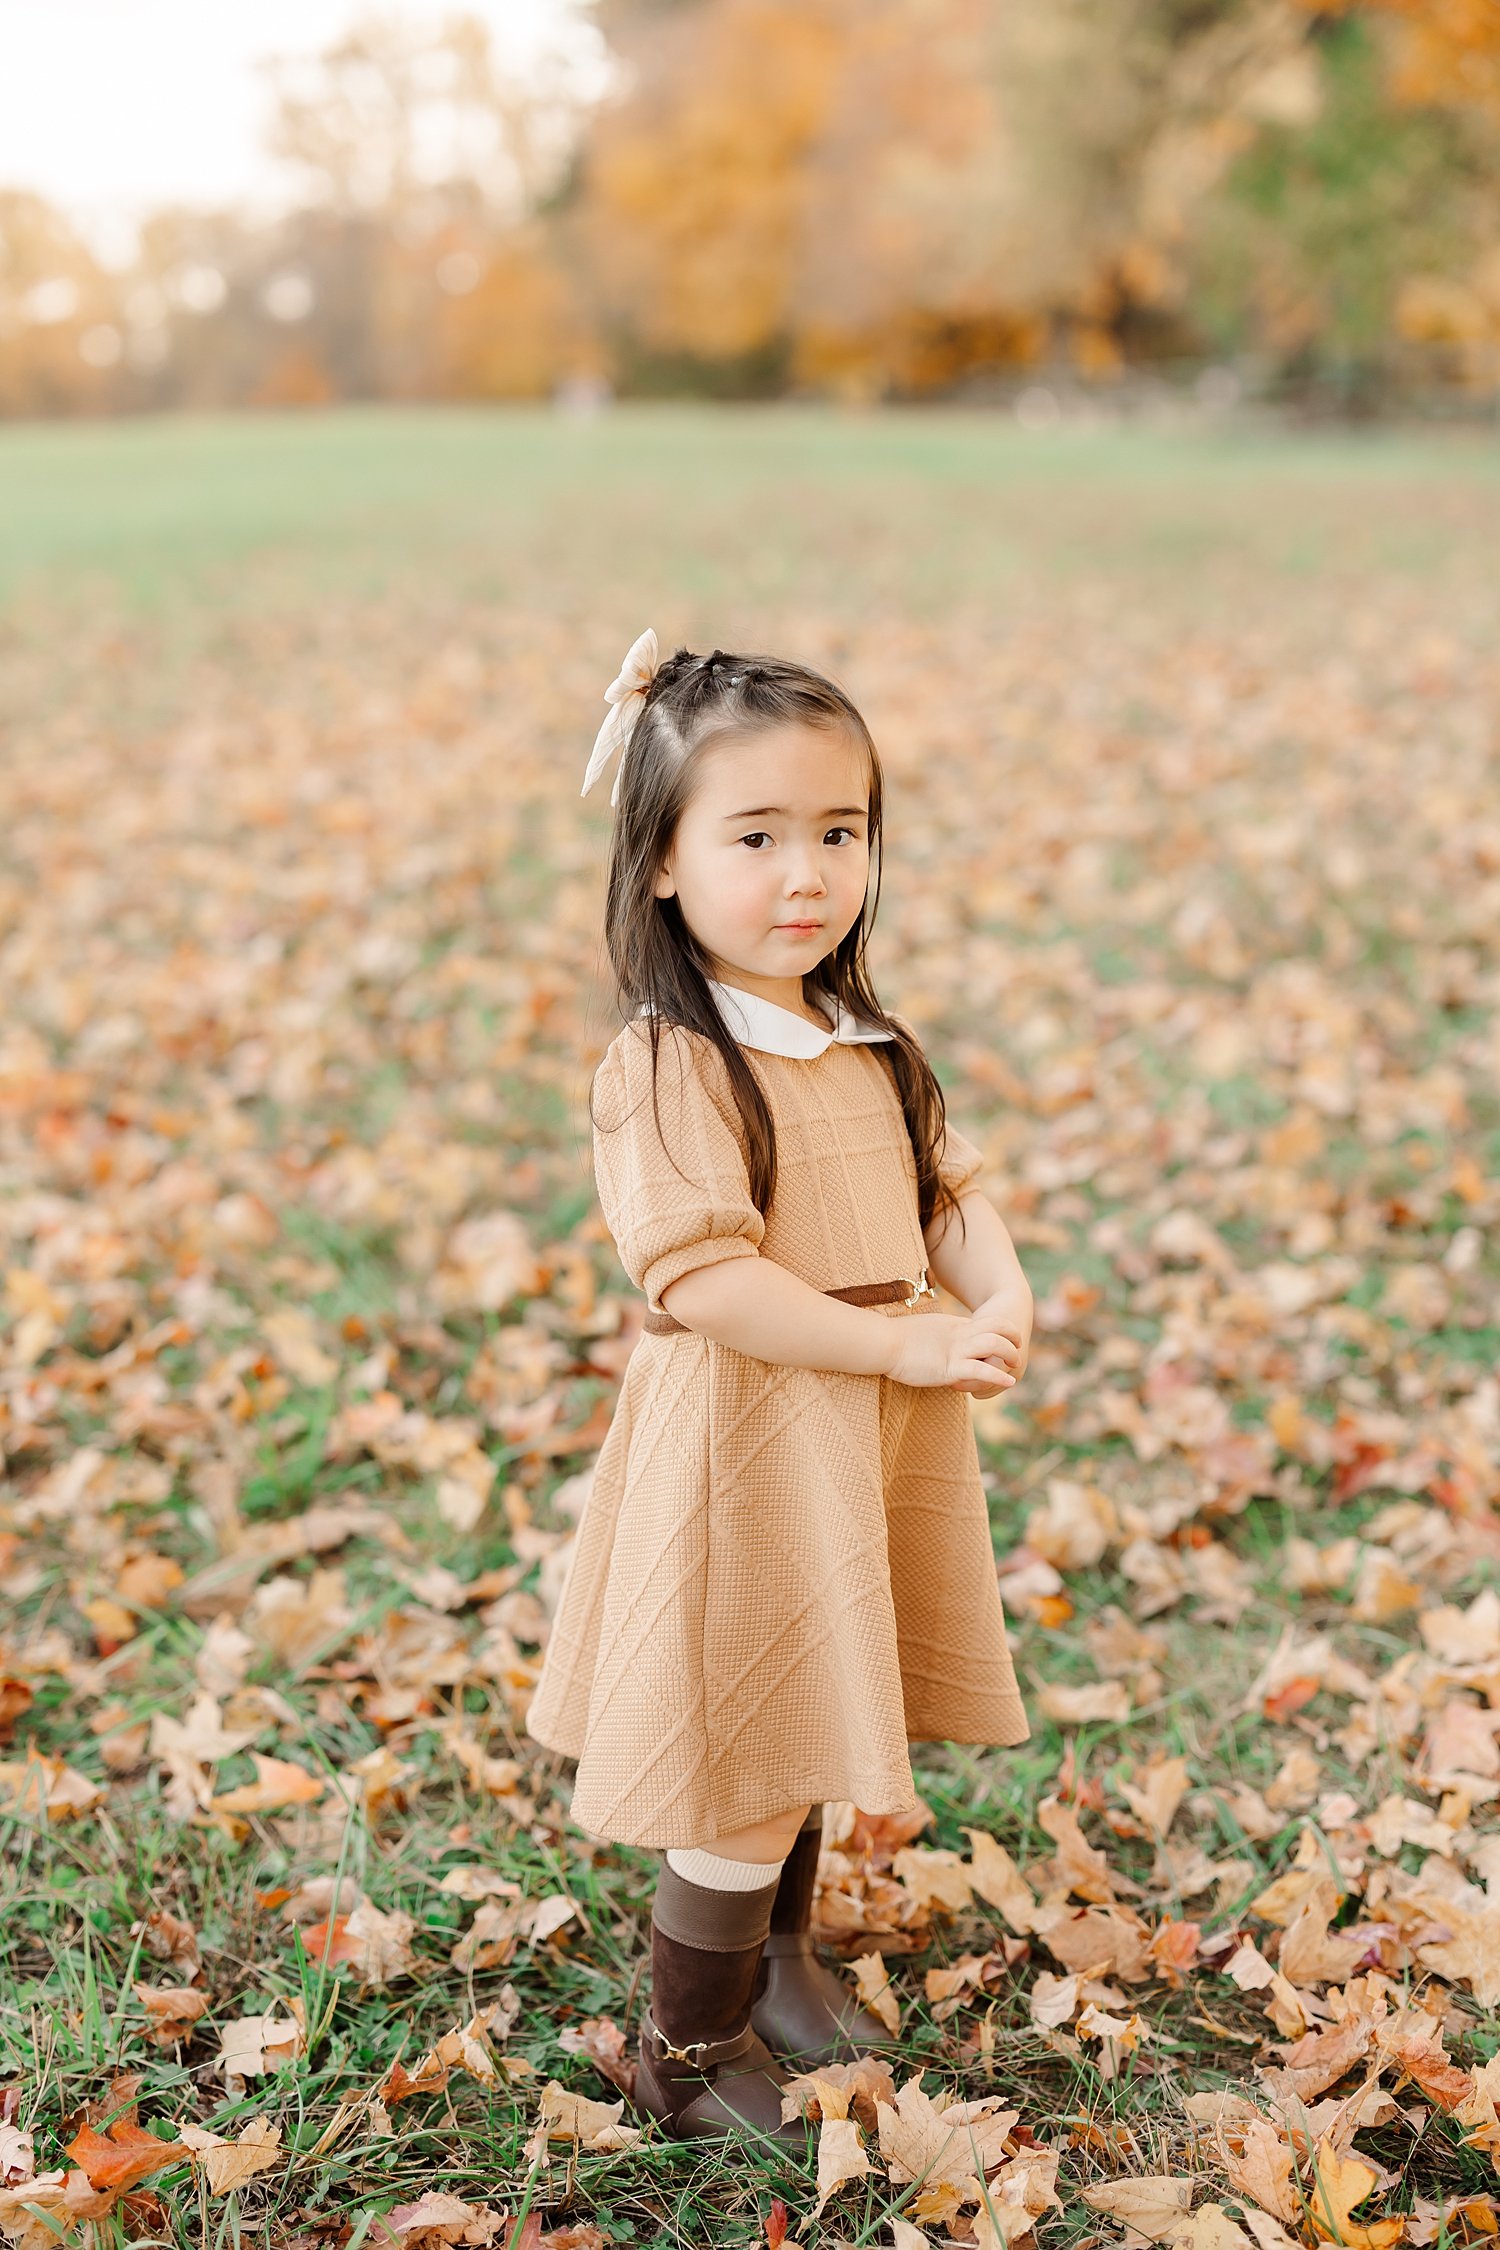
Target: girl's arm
760, 1308
976, 1262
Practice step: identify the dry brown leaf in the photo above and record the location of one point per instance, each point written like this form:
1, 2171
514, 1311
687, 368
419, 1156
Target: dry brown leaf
1338, 2185
147, 1581
1156, 1793
377, 1944
1310, 1953
994, 1876
249, 2045
1261, 2168
172, 2011
872, 1981
1096, 1941
299, 1622
1248, 1967
1209, 2228
1096, 1700
933, 1878
1149, 2207
840, 2090
171, 1940
1054, 2000
919, 2138
228, 2164
1074, 1527
437, 2219
1080, 1868
841, 2158
1015, 2197
278, 1782
292, 1336
566, 2116
37, 1788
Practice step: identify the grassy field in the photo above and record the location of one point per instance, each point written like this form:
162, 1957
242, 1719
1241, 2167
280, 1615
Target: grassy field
310, 1330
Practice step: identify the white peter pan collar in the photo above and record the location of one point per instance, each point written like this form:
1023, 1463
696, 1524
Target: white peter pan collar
774, 1030
754, 1021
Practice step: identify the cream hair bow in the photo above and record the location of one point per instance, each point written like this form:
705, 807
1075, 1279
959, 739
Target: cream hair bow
625, 694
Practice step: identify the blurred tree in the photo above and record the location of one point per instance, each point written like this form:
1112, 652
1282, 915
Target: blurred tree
1340, 243
886, 194
427, 154
1445, 51
869, 197
60, 336
393, 114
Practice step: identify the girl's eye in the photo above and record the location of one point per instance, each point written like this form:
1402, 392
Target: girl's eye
758, 835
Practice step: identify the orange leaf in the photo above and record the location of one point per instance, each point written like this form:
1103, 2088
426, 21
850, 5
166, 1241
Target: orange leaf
1285, 1700
129, 2154
399, 2083
342, 1946
1339, 2183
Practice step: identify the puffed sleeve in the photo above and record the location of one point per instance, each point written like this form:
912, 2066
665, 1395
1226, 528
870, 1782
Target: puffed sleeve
960, 1160
675, 1193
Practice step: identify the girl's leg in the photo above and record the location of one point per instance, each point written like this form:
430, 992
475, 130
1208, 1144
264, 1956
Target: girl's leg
806, 2015
762, 1849
709, 1922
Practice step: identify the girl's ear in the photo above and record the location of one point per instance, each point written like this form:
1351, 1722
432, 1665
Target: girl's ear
665, 885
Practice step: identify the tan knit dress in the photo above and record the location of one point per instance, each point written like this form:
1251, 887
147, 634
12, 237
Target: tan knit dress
781, 1576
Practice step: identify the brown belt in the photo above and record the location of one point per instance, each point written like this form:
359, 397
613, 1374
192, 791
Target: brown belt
900, 1291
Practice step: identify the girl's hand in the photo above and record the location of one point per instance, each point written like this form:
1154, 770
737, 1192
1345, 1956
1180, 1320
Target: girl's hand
1011, 1311
960, 1352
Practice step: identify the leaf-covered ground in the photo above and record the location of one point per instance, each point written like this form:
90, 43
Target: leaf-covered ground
310, 1329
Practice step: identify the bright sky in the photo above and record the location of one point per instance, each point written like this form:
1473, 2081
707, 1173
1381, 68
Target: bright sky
110, 106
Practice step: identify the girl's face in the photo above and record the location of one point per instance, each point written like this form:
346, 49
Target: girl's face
772, 855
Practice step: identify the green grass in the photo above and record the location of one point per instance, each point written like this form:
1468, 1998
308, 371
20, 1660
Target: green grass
162, 511
1207, 639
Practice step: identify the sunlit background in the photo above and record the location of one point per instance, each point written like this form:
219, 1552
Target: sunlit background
1105, 393
290, 203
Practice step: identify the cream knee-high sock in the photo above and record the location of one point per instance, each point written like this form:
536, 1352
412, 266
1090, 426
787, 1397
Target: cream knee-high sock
716, 1873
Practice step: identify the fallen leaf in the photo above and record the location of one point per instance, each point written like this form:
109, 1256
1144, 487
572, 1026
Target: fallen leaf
841, 2158
278, 1782
1148, 2207
173, 2010
249, 2045
994, 1877
1107, 1700
1339, 2183
872, 1981
228, 2164
126, 2154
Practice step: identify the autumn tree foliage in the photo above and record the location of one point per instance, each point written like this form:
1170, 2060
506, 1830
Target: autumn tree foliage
892, 193
882, 196
862, 198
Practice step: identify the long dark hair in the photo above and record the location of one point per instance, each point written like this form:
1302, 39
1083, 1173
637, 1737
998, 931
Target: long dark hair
656, 957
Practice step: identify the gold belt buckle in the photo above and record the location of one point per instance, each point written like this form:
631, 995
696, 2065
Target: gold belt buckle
919, 1289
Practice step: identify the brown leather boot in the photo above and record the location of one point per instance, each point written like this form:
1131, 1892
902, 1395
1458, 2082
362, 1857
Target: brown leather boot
701, 2069
801, 2010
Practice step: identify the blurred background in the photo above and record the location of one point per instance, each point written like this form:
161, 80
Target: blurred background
856, 199
1105, 392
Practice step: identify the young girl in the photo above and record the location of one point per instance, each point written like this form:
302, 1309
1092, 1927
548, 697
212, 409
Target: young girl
784, 1572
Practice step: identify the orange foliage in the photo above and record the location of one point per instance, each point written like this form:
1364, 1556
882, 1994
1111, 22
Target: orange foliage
1445, 50
699, 186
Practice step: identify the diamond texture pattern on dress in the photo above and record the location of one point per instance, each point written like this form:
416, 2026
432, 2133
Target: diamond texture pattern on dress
782, 1576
